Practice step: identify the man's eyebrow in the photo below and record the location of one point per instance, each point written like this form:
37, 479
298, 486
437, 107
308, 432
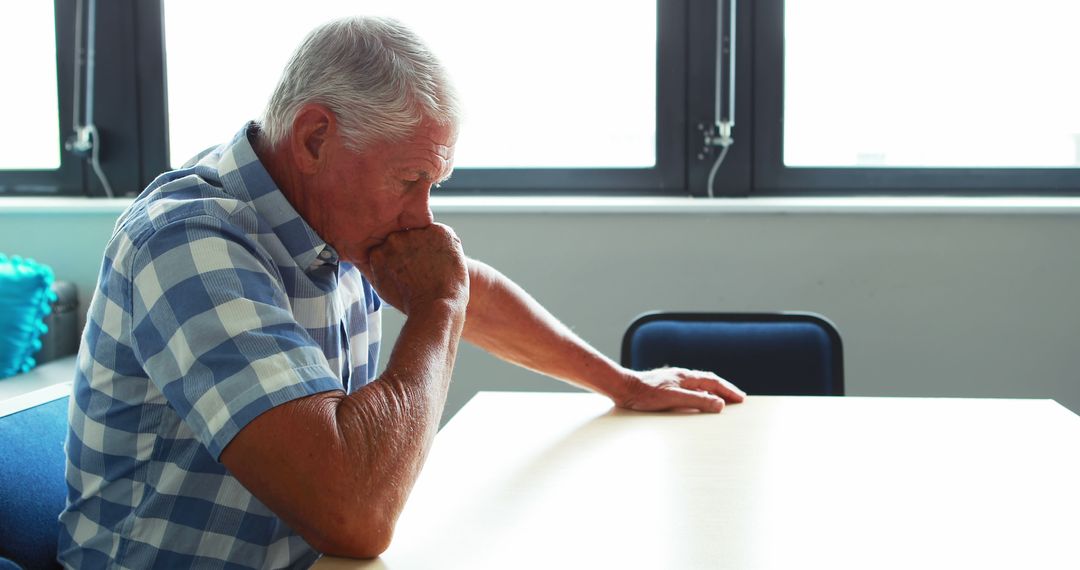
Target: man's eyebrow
427, 175
422, 174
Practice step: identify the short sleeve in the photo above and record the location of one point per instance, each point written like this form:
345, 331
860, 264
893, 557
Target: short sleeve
212, 328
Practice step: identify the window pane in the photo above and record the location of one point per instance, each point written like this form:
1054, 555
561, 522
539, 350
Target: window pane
931, 83
28, 107
554, 84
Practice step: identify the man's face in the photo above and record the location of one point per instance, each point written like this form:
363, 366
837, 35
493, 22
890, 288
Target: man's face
384, 189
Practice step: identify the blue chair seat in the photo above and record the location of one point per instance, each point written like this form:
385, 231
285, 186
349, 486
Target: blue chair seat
32, 463
797, 354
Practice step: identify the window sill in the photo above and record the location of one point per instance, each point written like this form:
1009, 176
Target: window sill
809, 205
640, 205
45, 383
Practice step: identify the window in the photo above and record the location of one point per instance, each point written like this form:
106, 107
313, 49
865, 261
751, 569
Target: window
917, 97
598, 97
29, 109
979, 84
35, 101
584, 98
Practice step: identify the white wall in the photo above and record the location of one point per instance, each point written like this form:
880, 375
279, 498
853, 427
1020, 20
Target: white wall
929, 304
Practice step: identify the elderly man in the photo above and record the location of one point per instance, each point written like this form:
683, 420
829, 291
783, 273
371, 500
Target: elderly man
226, 411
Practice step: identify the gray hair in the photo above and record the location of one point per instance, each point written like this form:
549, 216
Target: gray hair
374, 74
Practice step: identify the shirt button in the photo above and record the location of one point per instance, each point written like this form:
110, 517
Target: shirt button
325, 254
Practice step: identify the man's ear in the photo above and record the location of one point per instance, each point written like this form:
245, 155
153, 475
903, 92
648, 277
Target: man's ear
311, 131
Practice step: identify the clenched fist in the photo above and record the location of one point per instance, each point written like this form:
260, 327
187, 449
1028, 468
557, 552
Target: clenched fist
419, 266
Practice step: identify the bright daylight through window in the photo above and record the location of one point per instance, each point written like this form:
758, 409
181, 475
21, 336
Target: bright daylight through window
931, 83
28, 103
581, 97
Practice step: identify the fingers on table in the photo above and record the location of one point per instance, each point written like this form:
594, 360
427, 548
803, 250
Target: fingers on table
709, 382
676, 398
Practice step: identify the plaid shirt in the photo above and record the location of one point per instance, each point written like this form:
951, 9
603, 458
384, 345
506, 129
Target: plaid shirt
216, 302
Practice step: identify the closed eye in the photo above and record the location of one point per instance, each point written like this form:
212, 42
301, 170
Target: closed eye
422, 176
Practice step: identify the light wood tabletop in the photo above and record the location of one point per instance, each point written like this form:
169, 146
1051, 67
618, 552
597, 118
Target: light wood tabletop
562, 480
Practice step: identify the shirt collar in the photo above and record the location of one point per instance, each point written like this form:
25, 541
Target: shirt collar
243, 175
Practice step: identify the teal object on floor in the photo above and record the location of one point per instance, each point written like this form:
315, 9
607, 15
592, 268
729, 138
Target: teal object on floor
25, 297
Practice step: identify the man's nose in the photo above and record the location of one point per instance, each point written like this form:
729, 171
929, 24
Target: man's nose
418, 213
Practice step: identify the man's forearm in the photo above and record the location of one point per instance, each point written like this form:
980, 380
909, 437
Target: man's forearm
388, 426
506, 321
338, 468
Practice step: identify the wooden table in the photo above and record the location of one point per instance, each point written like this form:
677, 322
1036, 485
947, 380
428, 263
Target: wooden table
528, 480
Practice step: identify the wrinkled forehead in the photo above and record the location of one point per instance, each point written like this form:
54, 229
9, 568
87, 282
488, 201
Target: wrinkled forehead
428, 151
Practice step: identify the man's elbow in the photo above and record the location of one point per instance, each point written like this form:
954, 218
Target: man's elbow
353, 546
366, 536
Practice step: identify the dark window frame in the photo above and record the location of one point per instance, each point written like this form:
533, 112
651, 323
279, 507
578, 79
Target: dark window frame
132, 118
734, 176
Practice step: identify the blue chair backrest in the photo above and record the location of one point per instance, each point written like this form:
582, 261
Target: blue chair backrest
32, 463
795, 354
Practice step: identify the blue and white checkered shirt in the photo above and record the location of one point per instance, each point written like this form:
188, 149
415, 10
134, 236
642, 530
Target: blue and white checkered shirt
216, 302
